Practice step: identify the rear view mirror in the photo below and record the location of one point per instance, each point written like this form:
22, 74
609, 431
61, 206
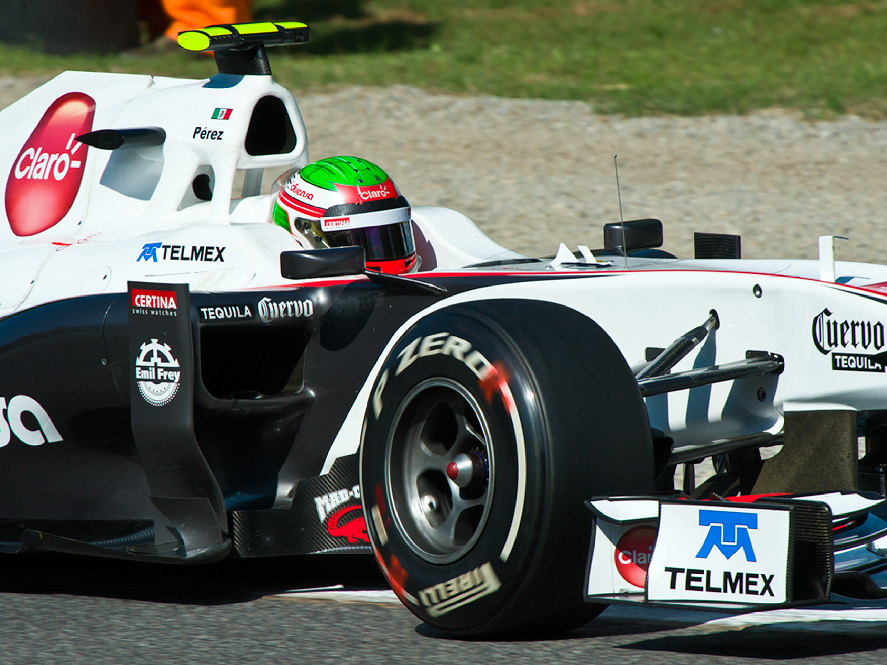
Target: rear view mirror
632, 235
316, 263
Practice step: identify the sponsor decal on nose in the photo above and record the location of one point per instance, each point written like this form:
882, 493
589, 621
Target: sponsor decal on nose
46, 175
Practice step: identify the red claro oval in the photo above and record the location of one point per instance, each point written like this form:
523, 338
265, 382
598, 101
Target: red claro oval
46, 175
633, 553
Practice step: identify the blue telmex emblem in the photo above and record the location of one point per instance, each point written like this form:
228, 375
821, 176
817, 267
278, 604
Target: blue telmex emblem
149, 252
728, 532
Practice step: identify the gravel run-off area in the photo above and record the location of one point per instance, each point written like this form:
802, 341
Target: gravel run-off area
533, 173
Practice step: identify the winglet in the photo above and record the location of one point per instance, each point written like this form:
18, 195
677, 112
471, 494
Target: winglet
239, 48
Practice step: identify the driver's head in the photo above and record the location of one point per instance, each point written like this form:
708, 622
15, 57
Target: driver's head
340, 201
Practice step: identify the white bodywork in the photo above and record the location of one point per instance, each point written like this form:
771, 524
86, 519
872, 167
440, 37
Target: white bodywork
135, 216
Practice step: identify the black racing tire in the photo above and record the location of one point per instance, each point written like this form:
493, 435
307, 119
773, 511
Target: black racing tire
488, 427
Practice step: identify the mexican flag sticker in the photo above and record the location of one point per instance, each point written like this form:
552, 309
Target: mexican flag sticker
221, 114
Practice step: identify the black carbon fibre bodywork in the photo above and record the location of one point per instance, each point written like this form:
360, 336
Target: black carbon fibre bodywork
267, 379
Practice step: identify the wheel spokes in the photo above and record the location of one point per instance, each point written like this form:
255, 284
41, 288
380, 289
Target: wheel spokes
445, 472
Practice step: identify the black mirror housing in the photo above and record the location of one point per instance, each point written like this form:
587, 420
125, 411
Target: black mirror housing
317, 263
633, 234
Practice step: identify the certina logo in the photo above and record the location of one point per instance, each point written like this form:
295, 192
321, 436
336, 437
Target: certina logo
329, 502
19, 419
154, 302
227, 313
289, 309
861, 342
154, 299
46, 175
633, 553
336, 222
157, 373
205, 253
442, 343
459, 591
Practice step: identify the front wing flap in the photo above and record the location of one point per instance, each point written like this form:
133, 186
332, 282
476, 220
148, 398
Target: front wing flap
711, 554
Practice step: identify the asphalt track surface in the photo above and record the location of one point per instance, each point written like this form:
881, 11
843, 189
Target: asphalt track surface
65, 610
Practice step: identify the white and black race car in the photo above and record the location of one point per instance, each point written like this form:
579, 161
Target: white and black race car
180, 381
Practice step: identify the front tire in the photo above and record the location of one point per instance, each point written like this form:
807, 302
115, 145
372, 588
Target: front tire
488, 426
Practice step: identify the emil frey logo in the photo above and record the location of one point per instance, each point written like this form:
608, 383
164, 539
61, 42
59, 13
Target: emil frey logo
157, 373
728, 533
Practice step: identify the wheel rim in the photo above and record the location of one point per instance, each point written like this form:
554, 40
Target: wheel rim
440, 470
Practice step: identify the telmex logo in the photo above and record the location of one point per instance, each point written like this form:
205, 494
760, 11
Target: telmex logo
728, 533
154, 299
46, 175
205, 253
12, 424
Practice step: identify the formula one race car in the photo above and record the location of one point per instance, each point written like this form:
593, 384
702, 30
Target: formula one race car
181, 380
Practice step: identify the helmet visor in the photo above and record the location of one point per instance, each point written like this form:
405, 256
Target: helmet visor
382, 243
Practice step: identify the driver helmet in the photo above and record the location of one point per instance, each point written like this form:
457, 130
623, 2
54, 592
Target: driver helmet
341, 201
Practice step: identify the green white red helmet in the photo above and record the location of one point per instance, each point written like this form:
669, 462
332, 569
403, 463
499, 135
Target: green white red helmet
341, 201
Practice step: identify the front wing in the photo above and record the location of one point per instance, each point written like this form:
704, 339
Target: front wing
776, 551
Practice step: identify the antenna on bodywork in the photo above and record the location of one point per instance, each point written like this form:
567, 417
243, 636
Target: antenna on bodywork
621, 217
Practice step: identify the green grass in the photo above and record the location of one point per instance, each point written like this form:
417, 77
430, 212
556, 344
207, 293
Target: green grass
687, 57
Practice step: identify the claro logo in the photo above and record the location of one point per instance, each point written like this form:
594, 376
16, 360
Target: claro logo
362, 194
46, 174
25, 419
633, 553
